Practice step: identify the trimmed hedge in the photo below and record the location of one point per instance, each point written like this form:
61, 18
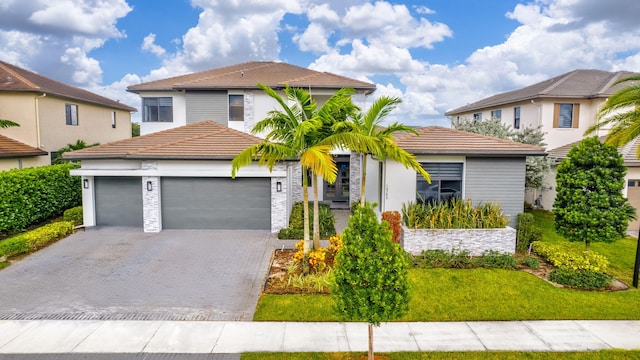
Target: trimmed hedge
32, 195
527, 232
35, 239
582, 279
296, 222
74, 215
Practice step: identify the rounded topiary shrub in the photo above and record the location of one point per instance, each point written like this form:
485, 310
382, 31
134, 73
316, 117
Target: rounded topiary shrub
582, 279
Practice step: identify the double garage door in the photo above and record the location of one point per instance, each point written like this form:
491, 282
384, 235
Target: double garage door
188, 203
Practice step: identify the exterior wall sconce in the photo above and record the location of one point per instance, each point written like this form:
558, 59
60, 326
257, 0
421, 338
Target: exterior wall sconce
279, 186
85, 183
149, 186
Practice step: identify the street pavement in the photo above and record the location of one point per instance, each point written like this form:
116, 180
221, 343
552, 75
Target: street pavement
235, 337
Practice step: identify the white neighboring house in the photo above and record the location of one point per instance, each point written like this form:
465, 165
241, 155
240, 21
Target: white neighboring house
564, 106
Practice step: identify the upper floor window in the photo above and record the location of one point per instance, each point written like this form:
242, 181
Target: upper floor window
157, 109
565, 116
496, 114
236, 107
71, 114
477, 116
113, 119
516, 117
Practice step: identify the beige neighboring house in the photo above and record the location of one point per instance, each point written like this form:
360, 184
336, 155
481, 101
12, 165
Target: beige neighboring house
51, 115
564, 106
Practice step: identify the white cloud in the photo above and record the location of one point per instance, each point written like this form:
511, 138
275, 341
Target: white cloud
86, 70
148, 44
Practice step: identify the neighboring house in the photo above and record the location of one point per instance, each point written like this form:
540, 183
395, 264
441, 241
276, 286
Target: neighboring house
230, 97
564, 106
180, 178
51, 115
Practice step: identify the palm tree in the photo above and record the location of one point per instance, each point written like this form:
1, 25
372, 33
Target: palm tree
622, 112
7, 123
298, 131
385, 147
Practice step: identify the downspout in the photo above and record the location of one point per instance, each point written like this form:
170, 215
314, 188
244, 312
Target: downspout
39, 145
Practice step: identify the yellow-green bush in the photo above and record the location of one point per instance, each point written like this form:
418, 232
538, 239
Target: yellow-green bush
74, 215
563, 259
35, 239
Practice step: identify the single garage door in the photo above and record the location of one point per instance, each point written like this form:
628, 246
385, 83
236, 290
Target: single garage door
118, 201
216, 203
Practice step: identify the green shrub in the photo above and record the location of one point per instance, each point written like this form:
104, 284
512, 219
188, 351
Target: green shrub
562, 259
74, 215
531, 263
495, 260
453, 214
526, 232
583, 279
452, 259
296, 222
32, 195
35, 239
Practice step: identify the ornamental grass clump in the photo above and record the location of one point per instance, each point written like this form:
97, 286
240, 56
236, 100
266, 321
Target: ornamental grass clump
453, 214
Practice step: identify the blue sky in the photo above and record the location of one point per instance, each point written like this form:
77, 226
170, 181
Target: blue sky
435, 55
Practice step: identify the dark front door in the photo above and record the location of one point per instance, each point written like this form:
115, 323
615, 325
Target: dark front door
339, 191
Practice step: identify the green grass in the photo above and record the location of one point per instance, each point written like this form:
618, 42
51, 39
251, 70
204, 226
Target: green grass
503, 355
471, 295
483, 294
4, 264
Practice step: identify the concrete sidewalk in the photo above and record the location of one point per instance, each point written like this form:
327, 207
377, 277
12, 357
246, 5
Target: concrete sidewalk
228, 337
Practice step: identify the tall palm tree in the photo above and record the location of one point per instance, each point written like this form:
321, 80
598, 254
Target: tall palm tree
7, 123
385, 147
621, 111
298, 131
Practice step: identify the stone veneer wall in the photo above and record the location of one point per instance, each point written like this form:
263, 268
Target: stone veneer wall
249, 118
279, 218
151, 213
296, 182
355, 173
476, 241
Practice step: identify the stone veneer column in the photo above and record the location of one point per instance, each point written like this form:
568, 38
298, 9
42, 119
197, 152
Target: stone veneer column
278, 203
249, 118
296, 182
355, 175
151, 213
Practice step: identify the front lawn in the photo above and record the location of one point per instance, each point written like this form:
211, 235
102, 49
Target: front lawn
482, 294
484, 355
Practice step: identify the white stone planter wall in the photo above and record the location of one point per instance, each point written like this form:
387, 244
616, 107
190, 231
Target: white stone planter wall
476, 241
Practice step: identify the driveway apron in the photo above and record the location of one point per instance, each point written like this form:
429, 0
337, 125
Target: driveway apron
122, 273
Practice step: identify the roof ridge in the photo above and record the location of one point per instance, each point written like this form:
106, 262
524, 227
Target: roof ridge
187, 139
260, 64
555, 84
488, 137
7, 67
616, 75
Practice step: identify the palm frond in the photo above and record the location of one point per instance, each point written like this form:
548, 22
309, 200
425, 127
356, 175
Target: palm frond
7, 124
320, 161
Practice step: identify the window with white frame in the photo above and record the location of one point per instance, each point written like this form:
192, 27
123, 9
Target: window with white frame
157, 109
236, 107
516, 117
565, 116
71, 114
477, 116
496, 114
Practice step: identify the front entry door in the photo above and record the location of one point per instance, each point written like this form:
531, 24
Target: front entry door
339, 191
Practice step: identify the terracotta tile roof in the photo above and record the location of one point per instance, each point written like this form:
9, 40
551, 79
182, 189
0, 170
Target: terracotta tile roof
436, 140
201, 140
15, 79
628, 152
248, 75
577, 84
10, 148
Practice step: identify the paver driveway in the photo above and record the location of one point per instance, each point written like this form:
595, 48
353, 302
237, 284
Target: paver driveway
122, 273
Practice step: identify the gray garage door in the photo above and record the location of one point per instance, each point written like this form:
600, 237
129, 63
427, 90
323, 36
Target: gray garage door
216, 203
118, 201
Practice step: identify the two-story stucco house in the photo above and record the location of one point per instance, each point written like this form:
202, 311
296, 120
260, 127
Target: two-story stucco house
51, 115
178, 173
564, 106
